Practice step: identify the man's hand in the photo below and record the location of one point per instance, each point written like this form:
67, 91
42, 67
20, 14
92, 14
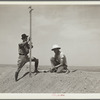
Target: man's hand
28, 40
55, 68
31, 44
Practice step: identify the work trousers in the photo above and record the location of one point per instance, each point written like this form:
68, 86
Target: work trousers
23, 59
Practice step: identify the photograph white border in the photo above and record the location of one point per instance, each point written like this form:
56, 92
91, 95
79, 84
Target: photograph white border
49, 95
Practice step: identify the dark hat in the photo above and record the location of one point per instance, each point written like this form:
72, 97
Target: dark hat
24, 36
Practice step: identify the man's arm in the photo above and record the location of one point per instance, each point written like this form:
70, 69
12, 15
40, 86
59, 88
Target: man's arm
22, 44
61, 64
29, 43
29, 46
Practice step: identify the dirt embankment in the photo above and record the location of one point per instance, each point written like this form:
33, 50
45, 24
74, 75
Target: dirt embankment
78, 81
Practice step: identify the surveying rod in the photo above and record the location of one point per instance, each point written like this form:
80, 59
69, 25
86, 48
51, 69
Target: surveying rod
30, 39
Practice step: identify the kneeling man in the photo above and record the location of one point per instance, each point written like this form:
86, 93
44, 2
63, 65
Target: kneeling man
58, 62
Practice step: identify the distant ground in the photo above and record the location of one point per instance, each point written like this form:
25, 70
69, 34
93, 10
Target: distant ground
79, 80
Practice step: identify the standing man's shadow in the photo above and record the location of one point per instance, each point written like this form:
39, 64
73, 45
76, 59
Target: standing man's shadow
23, 76
27, 74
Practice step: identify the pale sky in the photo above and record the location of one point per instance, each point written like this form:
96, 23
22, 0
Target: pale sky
76, 28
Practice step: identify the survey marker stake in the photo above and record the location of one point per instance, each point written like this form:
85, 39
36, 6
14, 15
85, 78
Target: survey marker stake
30, 12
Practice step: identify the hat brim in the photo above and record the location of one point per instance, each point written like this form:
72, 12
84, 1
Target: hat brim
55, 48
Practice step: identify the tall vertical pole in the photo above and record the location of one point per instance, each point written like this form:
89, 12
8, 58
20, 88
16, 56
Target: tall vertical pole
30, 39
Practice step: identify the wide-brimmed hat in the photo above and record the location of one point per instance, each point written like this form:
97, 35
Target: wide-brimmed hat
24, 36
55, 47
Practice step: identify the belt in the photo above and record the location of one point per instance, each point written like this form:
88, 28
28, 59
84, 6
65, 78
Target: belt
21, 54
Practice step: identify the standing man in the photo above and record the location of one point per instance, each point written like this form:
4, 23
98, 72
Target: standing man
58, 62
23, 55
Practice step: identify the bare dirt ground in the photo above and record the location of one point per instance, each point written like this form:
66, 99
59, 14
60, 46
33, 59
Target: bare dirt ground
77, 81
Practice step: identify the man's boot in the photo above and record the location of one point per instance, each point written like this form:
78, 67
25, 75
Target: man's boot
16, 76
36, 66
36, 70
67, 71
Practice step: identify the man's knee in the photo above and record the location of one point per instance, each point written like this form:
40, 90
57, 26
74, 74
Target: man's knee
52, 59
35, 60
60, 69
20, 65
